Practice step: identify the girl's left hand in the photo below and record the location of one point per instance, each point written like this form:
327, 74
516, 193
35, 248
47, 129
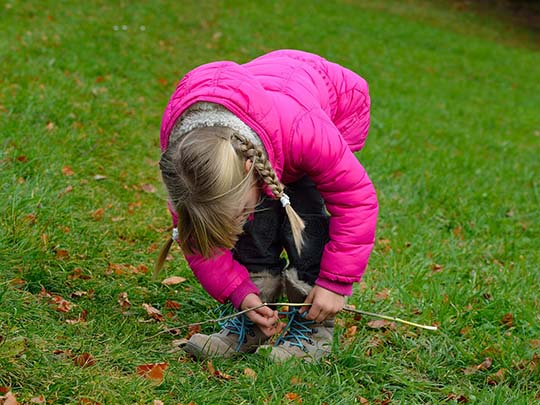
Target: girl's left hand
324, 304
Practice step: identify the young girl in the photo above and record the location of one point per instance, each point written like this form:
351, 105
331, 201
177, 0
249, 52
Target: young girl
258, 159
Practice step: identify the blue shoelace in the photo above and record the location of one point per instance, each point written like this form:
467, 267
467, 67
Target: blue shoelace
297, 329
239, 325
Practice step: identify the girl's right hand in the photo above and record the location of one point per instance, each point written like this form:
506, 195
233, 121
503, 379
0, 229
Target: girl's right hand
264, 317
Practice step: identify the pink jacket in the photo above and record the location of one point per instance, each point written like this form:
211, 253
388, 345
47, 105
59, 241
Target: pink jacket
311, 115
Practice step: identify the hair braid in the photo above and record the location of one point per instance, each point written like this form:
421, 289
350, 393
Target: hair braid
268, 175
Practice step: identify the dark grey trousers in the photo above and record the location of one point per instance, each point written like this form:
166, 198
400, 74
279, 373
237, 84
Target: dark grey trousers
269, 233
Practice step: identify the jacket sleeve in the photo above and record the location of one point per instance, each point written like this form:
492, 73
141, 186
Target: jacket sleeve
319, 150
222, 277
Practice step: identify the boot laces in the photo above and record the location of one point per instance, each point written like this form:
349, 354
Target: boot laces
240, 325
297, 330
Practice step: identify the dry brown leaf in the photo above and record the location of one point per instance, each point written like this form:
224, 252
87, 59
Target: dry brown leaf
381, 324
158, 402
173, 280
497, 377
84, 360
50, 126
480, 367
123, 300
152, 372
61, 254
460, 399
362, 400
148, 188
437, 268
62, 305
38, 400
382, 295
98, 214
193, 329
9, 399
217, 373
250, 373
508, 320
169, 304
534, 342
153, 312
296, 380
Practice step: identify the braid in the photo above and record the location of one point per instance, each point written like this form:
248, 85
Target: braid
268, 175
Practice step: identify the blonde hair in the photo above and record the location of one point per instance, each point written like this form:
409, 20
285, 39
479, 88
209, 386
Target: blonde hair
204, 173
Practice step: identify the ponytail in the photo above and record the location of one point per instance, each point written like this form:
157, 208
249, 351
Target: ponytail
164, 251
268, 175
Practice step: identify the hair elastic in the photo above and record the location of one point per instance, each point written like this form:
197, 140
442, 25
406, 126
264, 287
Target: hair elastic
285, 200
175, 234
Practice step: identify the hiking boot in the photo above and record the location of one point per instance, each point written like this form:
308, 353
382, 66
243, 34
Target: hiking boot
239, 335
302, 339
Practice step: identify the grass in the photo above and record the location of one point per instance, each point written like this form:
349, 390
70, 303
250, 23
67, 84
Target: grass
453, 152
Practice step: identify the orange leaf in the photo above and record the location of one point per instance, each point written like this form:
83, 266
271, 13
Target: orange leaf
497, 377
193, 329
292, 397
38, 400
152, 372
62, 254
50, 126
67, 171
98, 214
173, 280
382, 295
169, 304
217, 373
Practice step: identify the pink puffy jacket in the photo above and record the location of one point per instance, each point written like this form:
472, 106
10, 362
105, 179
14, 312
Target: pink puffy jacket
311, 115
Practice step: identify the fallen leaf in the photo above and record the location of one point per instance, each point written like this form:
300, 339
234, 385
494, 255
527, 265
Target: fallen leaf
84, 360
480, 367
148, 188
296, 380
217, 373
123, 300
437, 268
153, 312
38, 400
67, 171
248, 372
173, 280
382, 295
62, 254
534, 342
98, 214
381, 324
50, 126
9, 399
22, 159
292, 397
460, 399
362, 400
158, 402
77, 273
62, 305
169, 304
192, 330
497, 377
508, 320
152, 372
81, 318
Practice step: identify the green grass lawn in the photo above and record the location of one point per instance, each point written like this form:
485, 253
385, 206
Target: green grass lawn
454, 152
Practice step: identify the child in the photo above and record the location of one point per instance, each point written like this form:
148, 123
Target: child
257, 159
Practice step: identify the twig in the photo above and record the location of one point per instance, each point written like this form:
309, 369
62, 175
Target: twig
345, 308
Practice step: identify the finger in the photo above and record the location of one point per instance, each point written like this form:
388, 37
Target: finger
265, 311
308, 300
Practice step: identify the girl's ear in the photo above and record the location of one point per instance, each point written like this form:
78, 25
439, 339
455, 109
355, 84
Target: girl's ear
247, 165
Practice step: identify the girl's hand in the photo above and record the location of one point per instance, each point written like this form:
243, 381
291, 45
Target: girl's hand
324, 304
264, 317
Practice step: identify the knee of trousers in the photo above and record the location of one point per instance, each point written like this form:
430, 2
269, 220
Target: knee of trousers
270, 285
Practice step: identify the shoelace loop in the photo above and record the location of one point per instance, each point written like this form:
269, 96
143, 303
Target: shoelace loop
297, 329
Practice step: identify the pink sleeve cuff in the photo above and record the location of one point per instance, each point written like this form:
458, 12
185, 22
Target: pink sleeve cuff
245, 288
335, 286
